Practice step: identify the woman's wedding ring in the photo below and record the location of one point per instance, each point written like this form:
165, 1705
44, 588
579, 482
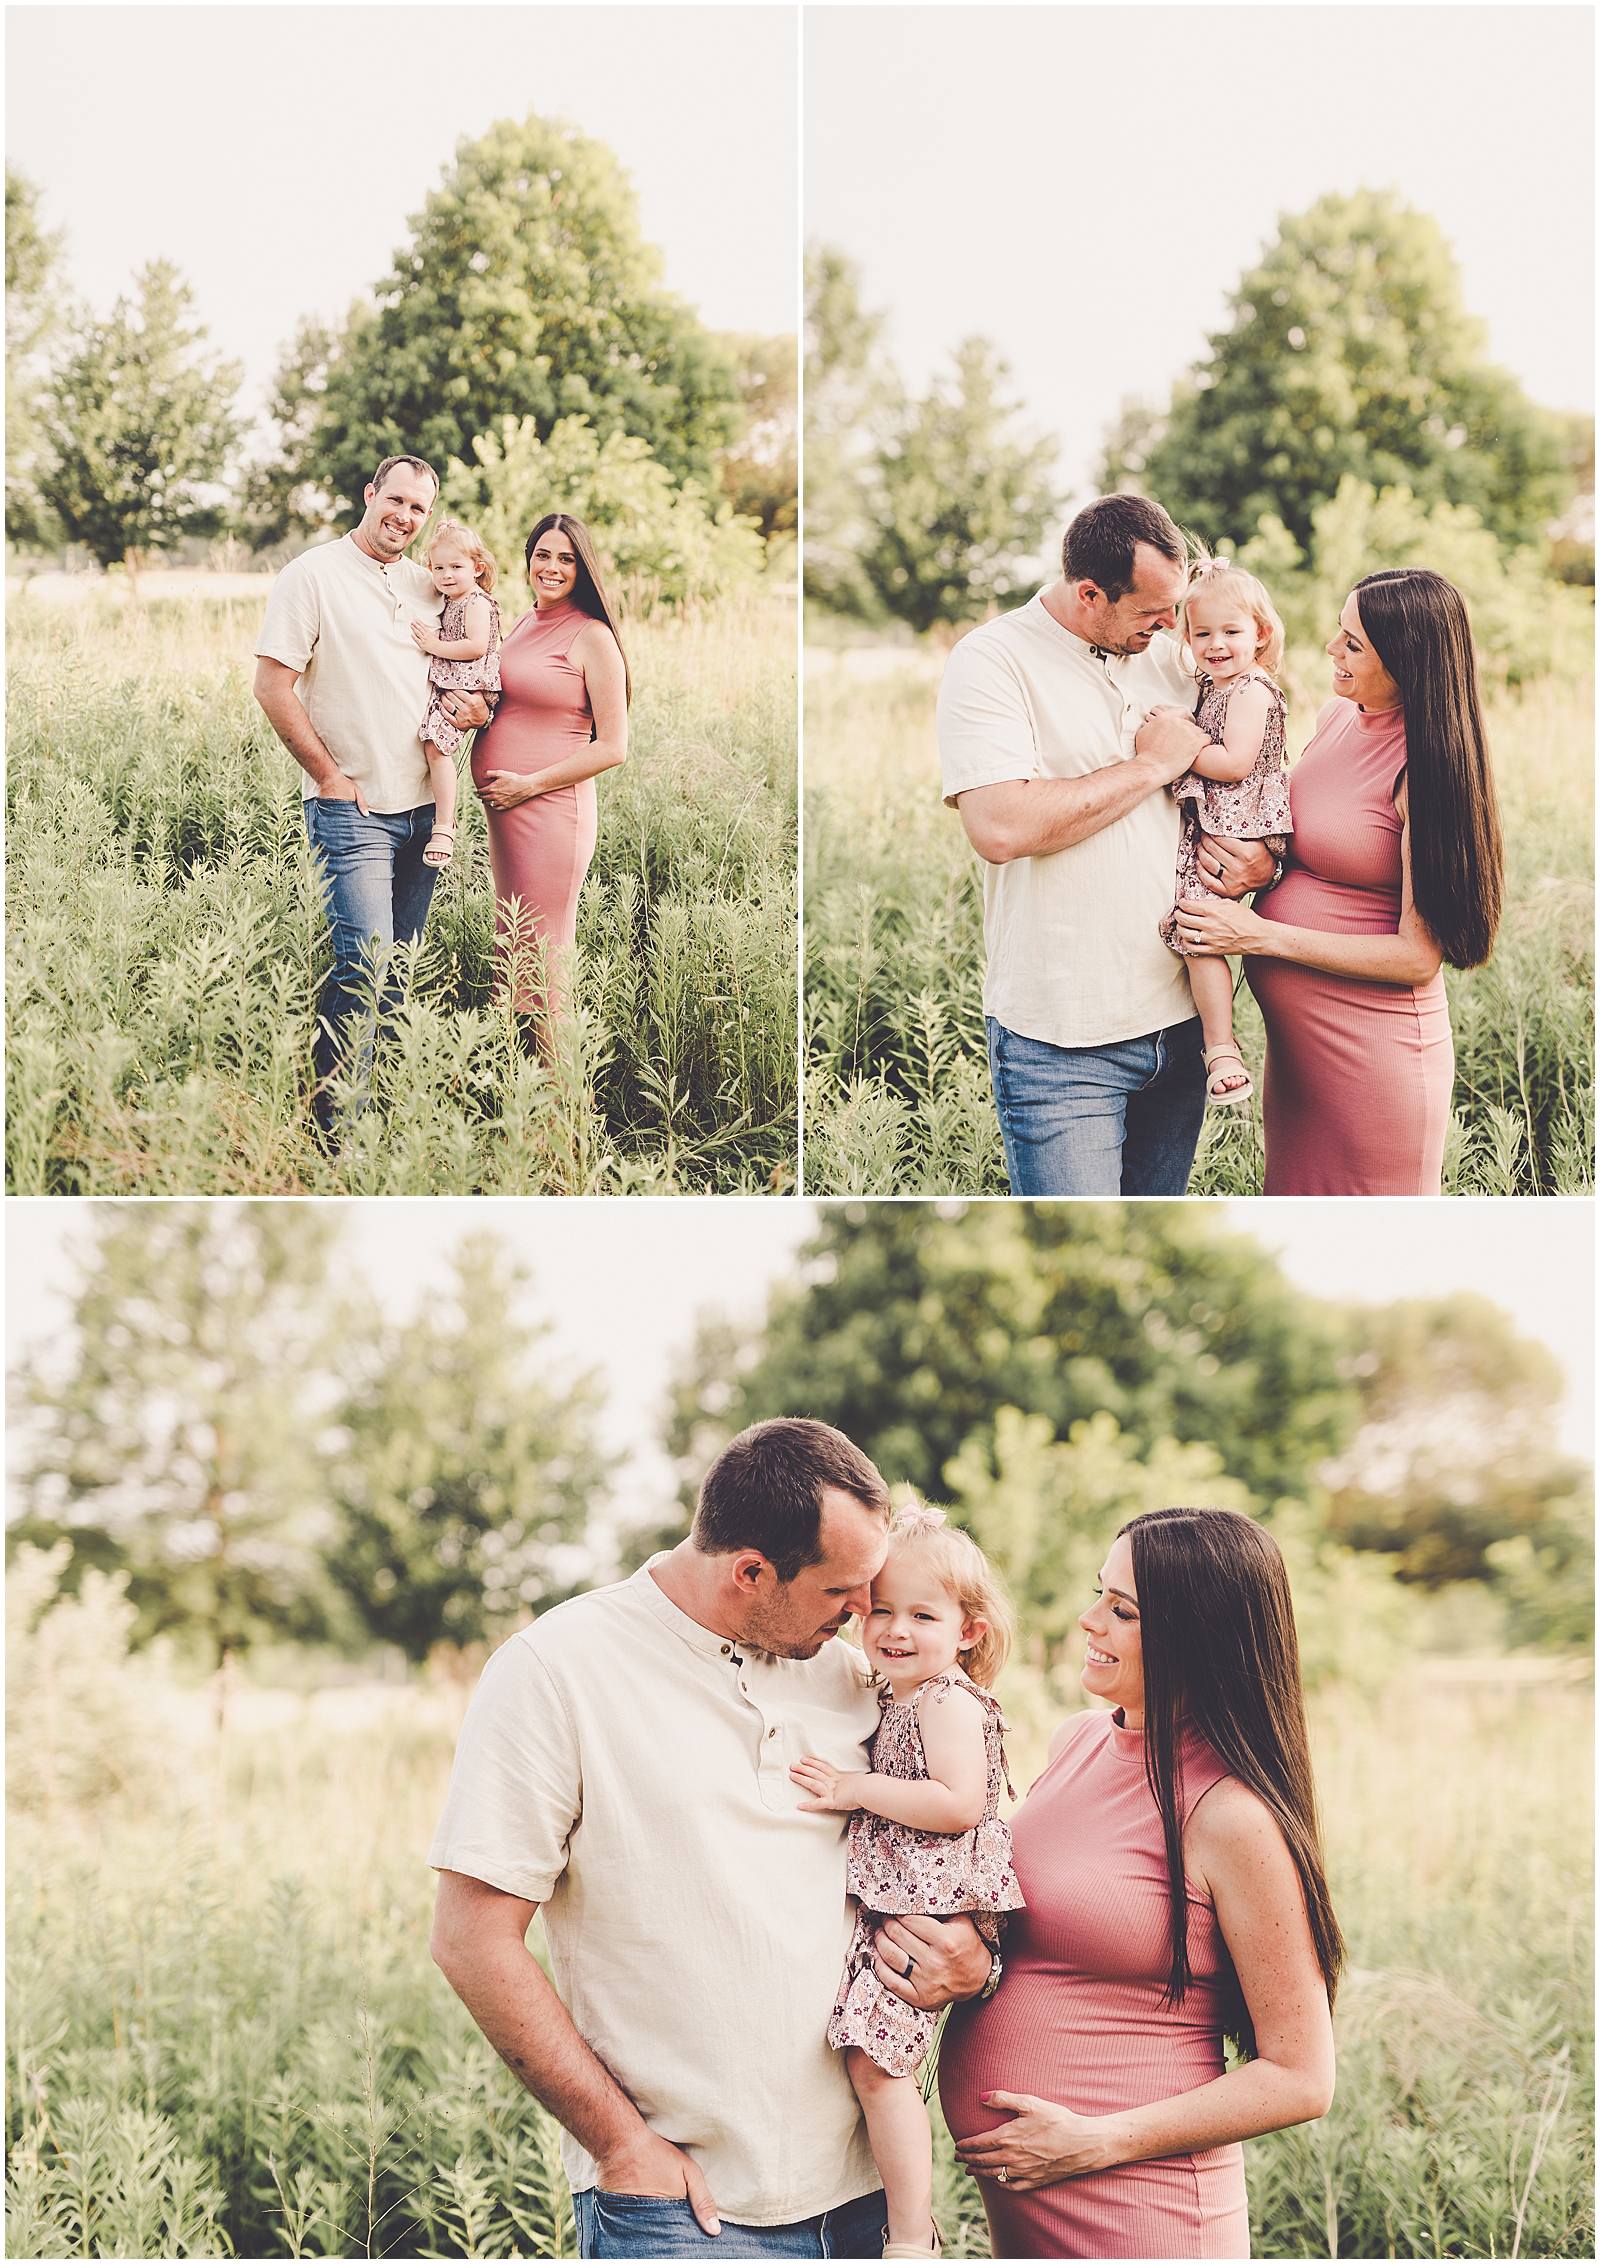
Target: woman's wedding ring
1003, 2173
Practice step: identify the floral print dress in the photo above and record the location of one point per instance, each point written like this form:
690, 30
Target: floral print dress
894, 1870
1252, 808
482, 675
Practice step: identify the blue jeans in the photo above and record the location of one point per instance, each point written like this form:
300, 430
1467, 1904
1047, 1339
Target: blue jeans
639, 2224
1099, 1120
376, 891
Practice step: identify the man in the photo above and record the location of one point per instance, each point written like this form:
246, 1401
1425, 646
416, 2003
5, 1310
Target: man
345, 687
624, 1766
1094, 1043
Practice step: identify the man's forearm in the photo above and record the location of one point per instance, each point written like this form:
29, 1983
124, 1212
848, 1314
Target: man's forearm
504, 1988
1037, 816
294, 727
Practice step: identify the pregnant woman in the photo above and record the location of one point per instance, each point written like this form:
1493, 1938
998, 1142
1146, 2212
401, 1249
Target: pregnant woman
1395, 865
562, 720
1175, 1895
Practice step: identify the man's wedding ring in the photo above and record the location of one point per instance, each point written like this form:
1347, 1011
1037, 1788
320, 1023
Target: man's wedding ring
911, 1965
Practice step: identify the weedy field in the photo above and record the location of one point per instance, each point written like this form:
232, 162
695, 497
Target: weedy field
226, 2037
897, 1080
167, 946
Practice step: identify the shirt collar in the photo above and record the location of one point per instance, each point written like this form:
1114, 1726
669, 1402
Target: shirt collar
656, 1600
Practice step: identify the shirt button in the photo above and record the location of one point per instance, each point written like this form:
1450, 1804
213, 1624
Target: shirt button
772, 1733
727, 1650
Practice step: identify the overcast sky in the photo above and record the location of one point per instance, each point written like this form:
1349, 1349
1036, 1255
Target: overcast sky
276, 153
625, 1281
1085, 185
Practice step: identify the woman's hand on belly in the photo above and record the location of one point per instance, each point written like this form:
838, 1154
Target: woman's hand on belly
1042, 2143
504, 789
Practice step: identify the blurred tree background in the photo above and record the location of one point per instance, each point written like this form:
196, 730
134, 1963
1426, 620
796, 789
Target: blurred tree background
526, 295
1345, 408
238, 1440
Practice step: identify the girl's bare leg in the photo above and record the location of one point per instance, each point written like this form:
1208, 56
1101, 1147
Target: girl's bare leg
1211, 983
442, 777
902, 2147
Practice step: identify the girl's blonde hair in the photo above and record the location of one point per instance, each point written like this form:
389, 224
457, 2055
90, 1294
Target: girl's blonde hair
463, 538
1219, 577
960, 1566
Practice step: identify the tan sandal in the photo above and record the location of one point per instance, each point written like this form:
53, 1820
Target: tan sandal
904, 2249
1229, 1096
443, 857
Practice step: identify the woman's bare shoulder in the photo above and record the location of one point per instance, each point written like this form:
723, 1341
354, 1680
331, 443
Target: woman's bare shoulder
1230, 1823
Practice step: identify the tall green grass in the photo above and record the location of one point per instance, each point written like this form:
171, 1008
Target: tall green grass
167, 945
897, 1082
226, 2036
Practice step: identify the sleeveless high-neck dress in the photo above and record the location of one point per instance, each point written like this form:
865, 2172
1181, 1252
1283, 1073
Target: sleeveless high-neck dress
539, 852
1080, 2016
1359, 1074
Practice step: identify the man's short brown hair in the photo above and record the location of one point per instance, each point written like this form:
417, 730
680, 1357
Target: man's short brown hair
417, 463
764, 1491
1098, 547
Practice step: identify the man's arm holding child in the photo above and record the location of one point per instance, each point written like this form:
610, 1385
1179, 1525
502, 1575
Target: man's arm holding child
479, 1944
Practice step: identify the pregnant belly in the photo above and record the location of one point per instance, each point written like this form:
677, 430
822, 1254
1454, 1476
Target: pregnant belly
524, 752
1070, 2045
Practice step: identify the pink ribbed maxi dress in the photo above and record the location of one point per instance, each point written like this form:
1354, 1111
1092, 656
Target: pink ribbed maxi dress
540, 852
1079, 2017
1359, 1075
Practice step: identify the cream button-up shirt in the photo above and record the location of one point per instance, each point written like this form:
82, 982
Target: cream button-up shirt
343, 620
1074, 953
628, 1770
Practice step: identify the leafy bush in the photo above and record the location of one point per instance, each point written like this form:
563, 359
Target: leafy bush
663, 543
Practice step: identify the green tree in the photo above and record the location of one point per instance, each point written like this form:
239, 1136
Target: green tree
280, 497
915, 1324
139, 427
1349, 352
852, 398
175, 1446
1454, 1456
526, 291
34, 292
956, 505
465, 1477
760, 474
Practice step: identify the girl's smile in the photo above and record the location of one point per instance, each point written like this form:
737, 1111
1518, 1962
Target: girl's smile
915, 1629
1224, 640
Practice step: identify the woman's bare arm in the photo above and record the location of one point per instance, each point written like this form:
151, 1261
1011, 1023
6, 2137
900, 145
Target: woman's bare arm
1233, 1847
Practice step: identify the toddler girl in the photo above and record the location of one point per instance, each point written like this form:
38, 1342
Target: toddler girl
465, 648
925, 1832
1239, 786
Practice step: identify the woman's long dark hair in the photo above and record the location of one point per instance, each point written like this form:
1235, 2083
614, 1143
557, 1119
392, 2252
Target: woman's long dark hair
1417, 624
1221, 1661
588, 592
